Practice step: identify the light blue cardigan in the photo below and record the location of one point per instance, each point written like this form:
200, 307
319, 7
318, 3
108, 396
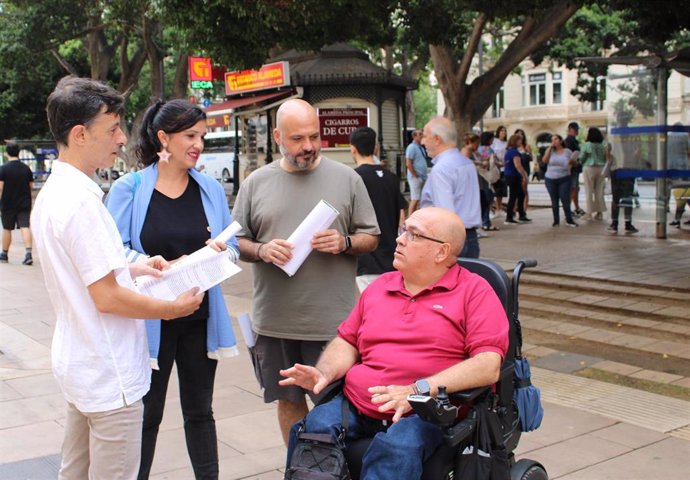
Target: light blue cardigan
128, 201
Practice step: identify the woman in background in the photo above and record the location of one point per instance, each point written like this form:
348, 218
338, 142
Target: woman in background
557, 178
593, 159
515, 179
526, 159
170, 209
499, 145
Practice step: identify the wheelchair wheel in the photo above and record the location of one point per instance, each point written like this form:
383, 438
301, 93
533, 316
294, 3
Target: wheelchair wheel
526, 469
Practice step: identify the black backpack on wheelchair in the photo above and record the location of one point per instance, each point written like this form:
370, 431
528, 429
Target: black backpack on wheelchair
494, 412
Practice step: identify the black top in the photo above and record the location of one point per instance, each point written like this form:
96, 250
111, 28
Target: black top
384, 191
177, 226
16, 193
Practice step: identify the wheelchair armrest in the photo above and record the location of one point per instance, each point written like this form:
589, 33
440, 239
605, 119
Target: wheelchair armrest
470, 395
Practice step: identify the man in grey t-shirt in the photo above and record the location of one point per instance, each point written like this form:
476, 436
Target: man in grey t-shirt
295, 316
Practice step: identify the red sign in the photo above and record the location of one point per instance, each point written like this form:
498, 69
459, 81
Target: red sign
272, 75
200, 69
338, 123
218, 121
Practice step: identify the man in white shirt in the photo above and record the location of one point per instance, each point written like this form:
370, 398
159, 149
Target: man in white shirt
99, 352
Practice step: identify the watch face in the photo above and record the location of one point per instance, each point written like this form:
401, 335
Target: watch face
423, 387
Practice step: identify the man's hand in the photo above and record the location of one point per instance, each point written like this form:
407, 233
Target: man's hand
148, 266
328, 241
305, 376
185, 304
392, 397
277, 251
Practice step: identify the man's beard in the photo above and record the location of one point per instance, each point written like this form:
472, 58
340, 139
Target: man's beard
295, 161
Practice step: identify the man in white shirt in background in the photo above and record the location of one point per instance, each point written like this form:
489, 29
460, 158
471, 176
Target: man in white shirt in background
99, 352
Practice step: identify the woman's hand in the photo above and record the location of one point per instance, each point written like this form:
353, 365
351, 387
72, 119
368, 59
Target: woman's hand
217, 246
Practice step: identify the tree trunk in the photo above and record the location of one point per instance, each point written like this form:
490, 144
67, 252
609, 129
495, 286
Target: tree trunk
180, 82
151, 29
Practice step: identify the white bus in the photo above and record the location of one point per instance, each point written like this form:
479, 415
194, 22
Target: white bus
217, 159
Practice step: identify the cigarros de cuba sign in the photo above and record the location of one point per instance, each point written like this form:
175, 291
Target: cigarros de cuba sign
338, 123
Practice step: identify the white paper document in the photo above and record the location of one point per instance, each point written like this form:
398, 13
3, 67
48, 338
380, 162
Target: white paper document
245, 322
204, 268
320, 218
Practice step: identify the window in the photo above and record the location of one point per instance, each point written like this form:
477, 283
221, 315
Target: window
600, 89
499, 104
557, 96
537, 89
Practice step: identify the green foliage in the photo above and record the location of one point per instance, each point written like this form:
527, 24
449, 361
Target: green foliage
616, 28
424, 101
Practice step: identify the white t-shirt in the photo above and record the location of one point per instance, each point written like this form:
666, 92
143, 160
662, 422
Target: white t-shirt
100, 360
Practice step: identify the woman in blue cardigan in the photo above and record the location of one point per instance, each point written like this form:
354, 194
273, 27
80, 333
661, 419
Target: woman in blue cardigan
170, 209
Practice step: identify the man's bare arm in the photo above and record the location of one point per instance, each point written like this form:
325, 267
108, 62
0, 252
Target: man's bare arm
338, 357
481, 370
111, 297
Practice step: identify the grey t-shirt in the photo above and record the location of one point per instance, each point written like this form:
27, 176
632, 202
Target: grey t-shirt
271, 203
558, 164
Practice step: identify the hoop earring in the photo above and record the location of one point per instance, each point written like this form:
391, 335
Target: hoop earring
164, 154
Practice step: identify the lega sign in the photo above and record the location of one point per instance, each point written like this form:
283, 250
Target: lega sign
338, 123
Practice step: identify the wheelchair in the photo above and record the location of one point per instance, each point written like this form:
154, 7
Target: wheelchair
443, 464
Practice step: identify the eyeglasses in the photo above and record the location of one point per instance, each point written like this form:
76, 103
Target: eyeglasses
414, 236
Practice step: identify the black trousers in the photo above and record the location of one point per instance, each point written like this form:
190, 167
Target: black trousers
184, 343
517, 194
622, 190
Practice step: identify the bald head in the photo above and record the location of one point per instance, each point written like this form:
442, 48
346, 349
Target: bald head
445, 225
295, 111
298, 135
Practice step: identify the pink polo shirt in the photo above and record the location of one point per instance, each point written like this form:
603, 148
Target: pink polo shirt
402, 338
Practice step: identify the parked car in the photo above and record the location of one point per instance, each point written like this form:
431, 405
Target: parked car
217, 159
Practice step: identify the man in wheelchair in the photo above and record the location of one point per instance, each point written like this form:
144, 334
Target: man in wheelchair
427, 324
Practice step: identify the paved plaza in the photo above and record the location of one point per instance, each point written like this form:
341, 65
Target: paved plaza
592, 430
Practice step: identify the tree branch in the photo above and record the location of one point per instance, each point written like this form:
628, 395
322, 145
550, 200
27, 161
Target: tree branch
64, 63
471, 49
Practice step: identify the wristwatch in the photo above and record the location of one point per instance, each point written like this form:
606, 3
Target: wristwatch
422, 387
348, 243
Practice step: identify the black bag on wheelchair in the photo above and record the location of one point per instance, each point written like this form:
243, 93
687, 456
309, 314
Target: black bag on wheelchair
318, 456
485, 457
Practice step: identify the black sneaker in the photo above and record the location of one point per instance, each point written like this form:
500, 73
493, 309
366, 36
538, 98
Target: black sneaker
511, 220
525, 219
612, 228
675, 223
555, 224
28, 259
630, 228
579, 211
3, 257
572, 224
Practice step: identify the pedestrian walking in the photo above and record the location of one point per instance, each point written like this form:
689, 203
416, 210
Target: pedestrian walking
16, 184
415, 162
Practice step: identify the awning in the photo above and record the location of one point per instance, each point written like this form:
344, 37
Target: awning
229, 106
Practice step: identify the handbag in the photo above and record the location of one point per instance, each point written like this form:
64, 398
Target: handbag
319, 456
485, 457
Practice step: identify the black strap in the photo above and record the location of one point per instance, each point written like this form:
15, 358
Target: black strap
344, 421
